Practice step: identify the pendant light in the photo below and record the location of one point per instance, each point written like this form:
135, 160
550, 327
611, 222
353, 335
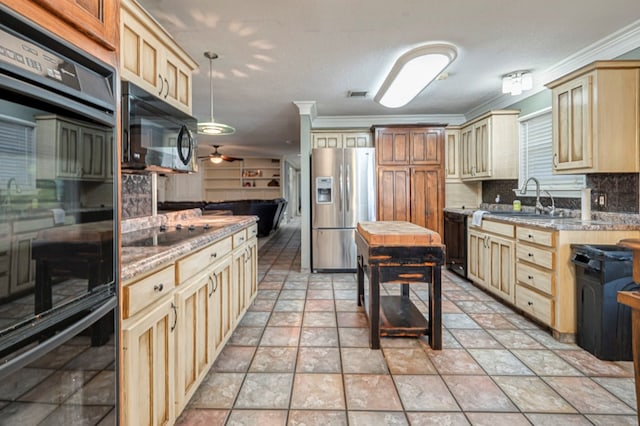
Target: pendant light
211, 127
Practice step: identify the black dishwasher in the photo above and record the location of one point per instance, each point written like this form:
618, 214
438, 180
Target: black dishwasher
455, 240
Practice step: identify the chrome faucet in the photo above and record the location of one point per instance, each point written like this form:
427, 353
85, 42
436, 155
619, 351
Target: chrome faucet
18, 190
539, 208
552, 209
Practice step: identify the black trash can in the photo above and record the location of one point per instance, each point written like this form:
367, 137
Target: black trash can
603, 325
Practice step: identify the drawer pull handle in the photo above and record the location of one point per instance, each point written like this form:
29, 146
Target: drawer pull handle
530, 236
530, 277
530, 303
241, 238
158, 287
530, 254
214, 255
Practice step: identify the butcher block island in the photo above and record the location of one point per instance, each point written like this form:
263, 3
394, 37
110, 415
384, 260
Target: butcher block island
402, 253
187, 281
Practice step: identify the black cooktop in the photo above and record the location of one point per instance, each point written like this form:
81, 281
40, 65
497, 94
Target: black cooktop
165, 236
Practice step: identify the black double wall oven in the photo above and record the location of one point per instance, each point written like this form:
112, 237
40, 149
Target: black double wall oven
58, 197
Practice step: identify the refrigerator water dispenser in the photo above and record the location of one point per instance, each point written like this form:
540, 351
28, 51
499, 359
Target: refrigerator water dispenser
324, 189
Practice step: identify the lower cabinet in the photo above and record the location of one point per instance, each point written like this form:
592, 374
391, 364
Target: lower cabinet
148, 346
491, 251
176, 322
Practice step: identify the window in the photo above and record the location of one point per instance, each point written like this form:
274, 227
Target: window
536, 158
17, 153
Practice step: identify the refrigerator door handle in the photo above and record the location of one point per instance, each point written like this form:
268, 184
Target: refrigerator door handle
341, 192
348, 185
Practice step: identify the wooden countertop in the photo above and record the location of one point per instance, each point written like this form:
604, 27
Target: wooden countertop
82, 232
394, 233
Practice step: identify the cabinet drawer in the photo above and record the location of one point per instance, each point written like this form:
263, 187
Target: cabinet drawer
536, 236
196, 262
140, 294
535, 304
540, 279
539, 256
239, 238
503, 229
252, 231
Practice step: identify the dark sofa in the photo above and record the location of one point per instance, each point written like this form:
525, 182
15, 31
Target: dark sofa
269, 212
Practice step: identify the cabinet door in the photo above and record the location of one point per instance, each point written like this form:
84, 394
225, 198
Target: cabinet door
23, 267
501, 275
357, 140
467, 153
148, 364
176, 81
68, 149
476, 256
392, 146
572, 138
251, 272
427, 146
238, 287
326, 140
394, 194
482, 159
95, 18
427, 197
93, 153
139, 55
451, 154
219, 306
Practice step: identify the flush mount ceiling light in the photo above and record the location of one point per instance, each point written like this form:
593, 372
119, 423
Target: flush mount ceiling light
517, 82
211, 127
413, 71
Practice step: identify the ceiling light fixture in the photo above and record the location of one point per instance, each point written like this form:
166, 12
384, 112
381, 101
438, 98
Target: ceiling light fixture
211, 127
413, 71
517, 82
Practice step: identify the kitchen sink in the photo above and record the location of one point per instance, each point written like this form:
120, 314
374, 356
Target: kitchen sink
519, 214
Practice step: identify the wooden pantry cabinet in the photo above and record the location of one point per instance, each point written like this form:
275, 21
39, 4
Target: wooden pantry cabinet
489, 146
596, 115
410, 174
151, 58
176, 321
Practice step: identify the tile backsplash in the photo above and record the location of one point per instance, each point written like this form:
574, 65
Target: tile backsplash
136, 195
620, 191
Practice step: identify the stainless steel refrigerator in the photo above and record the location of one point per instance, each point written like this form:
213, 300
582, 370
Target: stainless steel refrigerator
343, 184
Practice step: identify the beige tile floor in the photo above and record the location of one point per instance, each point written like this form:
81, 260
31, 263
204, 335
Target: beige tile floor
300, 356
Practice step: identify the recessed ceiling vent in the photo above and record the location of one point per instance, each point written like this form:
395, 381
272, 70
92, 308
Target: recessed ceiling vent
357, 94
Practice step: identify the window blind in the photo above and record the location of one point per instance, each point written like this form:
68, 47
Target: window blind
17, 153
536, 158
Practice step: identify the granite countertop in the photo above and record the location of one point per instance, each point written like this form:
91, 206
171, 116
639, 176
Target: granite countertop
609, 222
138, 260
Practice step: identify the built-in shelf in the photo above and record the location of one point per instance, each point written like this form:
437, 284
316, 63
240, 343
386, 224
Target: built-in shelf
251, 178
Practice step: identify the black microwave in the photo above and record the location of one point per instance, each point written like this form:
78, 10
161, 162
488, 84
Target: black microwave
156, 136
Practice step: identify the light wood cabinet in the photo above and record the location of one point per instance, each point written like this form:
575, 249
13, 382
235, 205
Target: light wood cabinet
150, 57
148, 347
81, 151
489, 146
410, 174
452, 152
252, 178
341, 139
490, 257
596, 115
22, 275
244, 264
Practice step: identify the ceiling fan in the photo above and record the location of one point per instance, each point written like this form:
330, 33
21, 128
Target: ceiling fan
216, 158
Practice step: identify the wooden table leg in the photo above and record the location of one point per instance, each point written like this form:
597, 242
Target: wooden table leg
405, 290
435, 308
360, 280
374, 308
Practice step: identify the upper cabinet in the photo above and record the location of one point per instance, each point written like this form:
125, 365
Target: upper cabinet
596, 119
341, 139
150, 57
452, 153
489, 146
420, 145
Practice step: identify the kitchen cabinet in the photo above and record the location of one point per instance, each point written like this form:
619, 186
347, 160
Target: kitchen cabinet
23, 268
596, 115
489, 146
244, 261
410, 174
91, 25
148, 365
252, 178
150, 57
81, 151
491, 251
452, 153
5, 258
341, 139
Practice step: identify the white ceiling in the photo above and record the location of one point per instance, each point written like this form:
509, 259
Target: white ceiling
275, 52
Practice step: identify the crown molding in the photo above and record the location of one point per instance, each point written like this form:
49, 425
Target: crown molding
366, 121
610, 47
307, 108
